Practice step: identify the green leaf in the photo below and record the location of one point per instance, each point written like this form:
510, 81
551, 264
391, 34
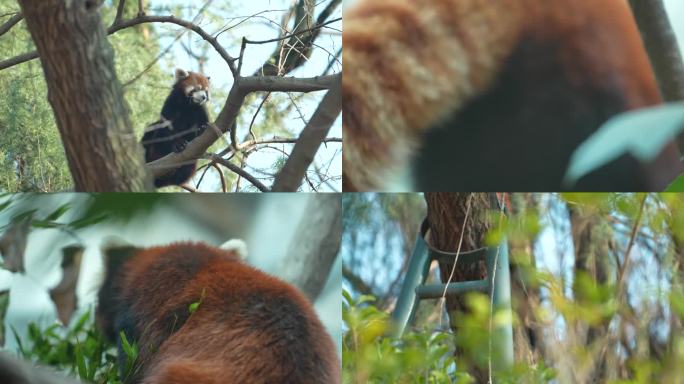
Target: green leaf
87, 221
22, 350
193, 307
5, 204
45, 224
129, 349
677, 185
80, 363
57, 213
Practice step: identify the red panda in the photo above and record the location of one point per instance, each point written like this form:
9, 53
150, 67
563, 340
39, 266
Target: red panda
247, 326
491, 95
183, 118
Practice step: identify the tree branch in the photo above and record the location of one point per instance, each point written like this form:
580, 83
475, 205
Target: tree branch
196, 148
313, 253
286, 84
258, 184
10, 23
290, 177
660, 42
294, 52
119, 12
13, 370
141, 19
247, 145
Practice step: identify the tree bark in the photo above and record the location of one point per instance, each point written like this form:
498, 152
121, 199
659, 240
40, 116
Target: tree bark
445, 214
313, 251
525, 295
86, 96
661, 45
591, 243
13, 370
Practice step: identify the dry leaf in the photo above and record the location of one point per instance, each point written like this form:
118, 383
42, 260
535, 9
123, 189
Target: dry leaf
13, 244
64, 294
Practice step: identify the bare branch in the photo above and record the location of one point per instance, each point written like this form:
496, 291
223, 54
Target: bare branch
258, 184
279, 64
11, 23
141, 7
318, 26
286, 84
119, 12
247, 145
290, 177
141, 19
24, 57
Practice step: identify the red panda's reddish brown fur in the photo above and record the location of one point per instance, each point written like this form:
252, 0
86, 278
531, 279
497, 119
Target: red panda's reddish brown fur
410, 65
248, 327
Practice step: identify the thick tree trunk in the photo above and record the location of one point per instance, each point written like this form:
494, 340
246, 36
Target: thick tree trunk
13, 370
314, 249
527, 334
590, 238
663, 51
86, 96
445, 214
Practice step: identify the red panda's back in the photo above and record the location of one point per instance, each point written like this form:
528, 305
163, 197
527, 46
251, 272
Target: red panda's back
490, 95
246, 326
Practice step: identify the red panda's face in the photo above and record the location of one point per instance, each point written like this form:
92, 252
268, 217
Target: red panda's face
194, 85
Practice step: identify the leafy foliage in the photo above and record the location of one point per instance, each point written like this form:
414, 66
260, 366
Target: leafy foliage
370, 356
80, 351
597, 281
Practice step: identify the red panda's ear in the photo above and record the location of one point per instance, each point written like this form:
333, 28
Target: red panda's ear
181, 74
237, 246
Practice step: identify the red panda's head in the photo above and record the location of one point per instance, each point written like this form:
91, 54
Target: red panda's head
193, 85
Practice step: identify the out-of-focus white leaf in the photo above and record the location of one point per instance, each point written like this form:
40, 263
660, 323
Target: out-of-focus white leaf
642, 133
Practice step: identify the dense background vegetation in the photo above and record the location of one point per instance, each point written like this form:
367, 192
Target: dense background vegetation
597, 284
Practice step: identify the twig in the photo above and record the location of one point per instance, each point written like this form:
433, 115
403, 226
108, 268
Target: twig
258, 184
632, 236
223, 179
183, 23
301, 32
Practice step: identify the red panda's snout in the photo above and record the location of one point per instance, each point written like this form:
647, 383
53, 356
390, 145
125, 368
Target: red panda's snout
199, 97
194, 85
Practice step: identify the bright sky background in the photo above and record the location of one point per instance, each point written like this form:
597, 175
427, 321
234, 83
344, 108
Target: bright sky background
263, 26
676, 10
